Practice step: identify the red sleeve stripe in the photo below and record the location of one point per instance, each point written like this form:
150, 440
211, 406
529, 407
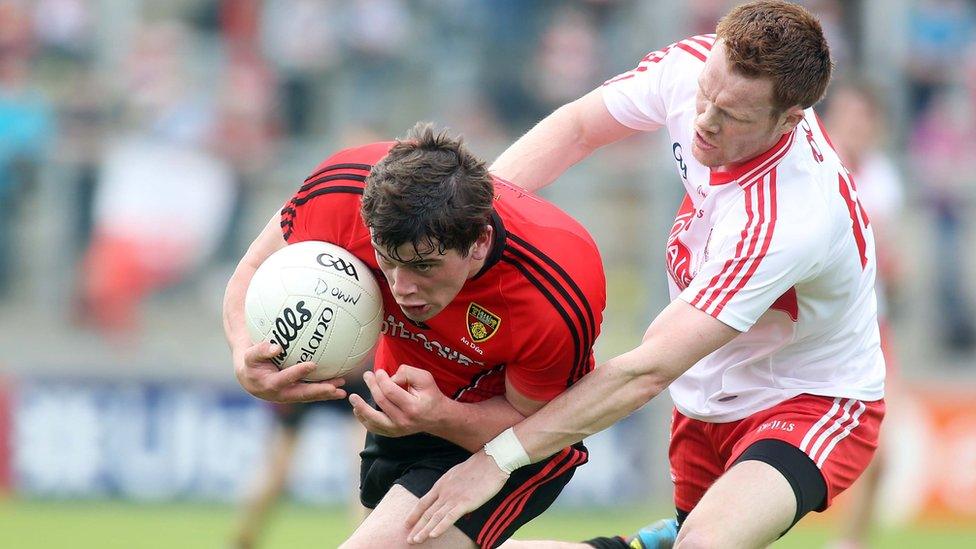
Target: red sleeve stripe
765, 246
510, 508
653, 57
699, 46
759, 233
704, 40
744, 235
692, 50
624, 76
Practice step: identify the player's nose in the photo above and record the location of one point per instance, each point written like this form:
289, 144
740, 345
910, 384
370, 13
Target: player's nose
401, 283
706, 122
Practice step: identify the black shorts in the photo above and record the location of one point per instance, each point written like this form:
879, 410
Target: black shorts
416, 462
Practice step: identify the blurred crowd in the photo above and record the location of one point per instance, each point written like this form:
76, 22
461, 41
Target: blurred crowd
160, 135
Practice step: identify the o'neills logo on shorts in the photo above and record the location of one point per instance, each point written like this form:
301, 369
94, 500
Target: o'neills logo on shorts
482, 323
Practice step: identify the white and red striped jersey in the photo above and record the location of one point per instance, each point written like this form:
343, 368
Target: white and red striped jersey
779, 249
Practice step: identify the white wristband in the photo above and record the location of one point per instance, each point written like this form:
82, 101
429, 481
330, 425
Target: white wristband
507, 451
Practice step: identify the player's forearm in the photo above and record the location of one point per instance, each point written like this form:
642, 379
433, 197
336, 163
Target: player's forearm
266, 243
471, 425
677, 339
544, 152
235, 329
611, 392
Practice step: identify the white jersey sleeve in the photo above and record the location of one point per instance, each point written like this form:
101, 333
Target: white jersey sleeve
642, 97
752, 260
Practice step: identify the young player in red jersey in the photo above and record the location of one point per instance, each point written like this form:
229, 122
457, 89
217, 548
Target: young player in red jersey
493, 299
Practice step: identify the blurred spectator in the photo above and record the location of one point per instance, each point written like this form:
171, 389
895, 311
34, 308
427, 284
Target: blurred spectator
376, 53
245, 133
511, 35
702, 15
566, 61
163, 198
83, 121
939, 31
943, 146
26, 127
855, 121
64, 27
301, 39
838, 19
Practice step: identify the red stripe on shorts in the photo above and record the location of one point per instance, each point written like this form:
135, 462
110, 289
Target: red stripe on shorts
508, 510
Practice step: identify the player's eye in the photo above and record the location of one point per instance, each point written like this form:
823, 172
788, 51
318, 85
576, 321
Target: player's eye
423, 268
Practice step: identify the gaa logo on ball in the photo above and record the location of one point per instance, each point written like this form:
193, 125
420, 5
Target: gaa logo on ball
319, 303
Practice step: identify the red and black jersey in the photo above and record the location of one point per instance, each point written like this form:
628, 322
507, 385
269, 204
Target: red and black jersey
531, 314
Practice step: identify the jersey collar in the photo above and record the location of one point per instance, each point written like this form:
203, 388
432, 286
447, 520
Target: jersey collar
755, 168
497, 246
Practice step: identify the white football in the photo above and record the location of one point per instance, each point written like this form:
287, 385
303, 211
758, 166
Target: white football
320, 303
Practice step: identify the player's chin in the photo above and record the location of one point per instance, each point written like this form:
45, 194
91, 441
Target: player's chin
710, 158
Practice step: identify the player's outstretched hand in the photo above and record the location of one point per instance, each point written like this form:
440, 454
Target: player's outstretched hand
260, 377
463, 489
409, 402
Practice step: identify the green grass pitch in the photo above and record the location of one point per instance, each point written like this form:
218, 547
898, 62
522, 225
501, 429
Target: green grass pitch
113, 524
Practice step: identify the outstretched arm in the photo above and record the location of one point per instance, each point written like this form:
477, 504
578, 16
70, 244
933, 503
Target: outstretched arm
571, 133
678, 338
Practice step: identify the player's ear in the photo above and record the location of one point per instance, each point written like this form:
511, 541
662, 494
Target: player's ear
482, 246
790, 118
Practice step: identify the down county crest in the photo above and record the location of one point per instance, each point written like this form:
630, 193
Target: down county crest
482, 323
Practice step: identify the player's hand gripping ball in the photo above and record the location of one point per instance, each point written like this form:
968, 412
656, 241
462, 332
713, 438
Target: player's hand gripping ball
319, 303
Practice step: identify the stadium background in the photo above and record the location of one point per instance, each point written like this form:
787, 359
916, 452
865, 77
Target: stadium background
143, 142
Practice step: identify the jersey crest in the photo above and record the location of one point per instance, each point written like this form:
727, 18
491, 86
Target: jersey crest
482, 323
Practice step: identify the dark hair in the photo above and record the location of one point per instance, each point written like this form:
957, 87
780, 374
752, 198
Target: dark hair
429, 191
780, 41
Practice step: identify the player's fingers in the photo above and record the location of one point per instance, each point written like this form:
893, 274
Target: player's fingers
445, 521
293, 374
441, 518
372, 418
309, 392
262, 351
358, 403
422, 507
421, 516
380, 397
408, 375
395, 393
